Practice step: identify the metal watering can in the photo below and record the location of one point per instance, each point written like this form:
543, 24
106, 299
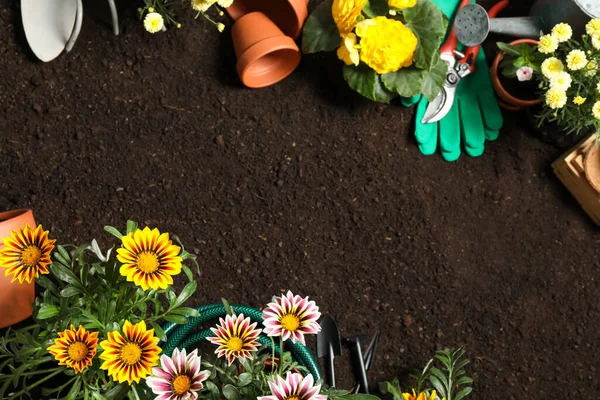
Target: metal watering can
473, 25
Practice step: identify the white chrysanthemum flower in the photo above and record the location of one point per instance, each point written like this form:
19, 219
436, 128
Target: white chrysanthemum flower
556, 98
225, 3
562, 32
596, 110
551, 66
561, 81
547, 44
154, 22
576, 60
202, 5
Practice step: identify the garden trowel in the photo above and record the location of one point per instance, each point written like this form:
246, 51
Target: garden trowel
329, 346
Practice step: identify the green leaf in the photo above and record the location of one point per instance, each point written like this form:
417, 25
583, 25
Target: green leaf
376, 8
186, 311
64, 253
188, 272
63, 273
213, 389
131, 226
47, 311
244, 379
117, 393
429, 24
159, 332
392, 388
231, 393
46, 283
186, 293
114, 232
510, 72
463, 381
434, 80
367, 82
360, 396
72, 395
320, 32
70, 290
519, 62
406, 81
438, 386
228, 309
177, 319
440, 375
509, 49
62, 260
464, 392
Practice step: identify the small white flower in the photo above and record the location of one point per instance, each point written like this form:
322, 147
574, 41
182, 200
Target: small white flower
524, 74
153, 22
202, 5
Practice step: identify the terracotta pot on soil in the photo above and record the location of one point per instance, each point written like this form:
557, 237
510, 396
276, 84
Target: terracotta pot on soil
507, 100
264, 54
591, 166
288, 15
16, 299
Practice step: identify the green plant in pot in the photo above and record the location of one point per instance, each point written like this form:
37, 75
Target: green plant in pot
388, 48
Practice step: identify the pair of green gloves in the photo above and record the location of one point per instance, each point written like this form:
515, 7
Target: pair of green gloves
475, 115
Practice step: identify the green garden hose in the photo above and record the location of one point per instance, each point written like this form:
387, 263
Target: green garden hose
179, 336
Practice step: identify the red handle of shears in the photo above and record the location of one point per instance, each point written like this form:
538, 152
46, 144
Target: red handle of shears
472, 52
452, 41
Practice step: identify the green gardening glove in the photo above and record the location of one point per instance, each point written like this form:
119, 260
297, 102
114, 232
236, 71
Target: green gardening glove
475, 115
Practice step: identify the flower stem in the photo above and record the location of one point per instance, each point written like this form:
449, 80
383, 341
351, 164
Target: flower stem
28, 388
280, 355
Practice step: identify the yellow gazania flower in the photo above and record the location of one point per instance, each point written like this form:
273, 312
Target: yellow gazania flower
153, 22
202, 5
561, 81
345, 13
556, 98
130, 357
75, 348
386, 44
149, 259
596, 110
420, 396
347, 52
576, 60
551, 66
26, 254
562, 32
401, 4
578, 100
547, 44
592, 28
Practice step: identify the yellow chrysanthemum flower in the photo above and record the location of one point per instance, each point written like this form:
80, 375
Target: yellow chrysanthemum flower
551, 66
591, 68
596, 110
556, 98
347, 51
598, 87
220, 26
345, 13
130, 357
596, 42
547, 44
576, 60
149, 259
592, 28
401, 4
562, 32
561, 81
153, 22
26, 254
75, 348
202, 5
578, 100
420, 396
225, 3
386, 45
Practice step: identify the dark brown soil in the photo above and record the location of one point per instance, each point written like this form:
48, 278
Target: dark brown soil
307, 186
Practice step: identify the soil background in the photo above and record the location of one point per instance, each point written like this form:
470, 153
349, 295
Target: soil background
307, 186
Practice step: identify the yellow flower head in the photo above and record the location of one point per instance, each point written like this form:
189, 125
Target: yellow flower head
75, 348
547, 44
149, 259
551, 66
220, 27
386, 45
562, 32
561, 81
347, 52
345, 13
26, 254
225, 3
592, 28
578, 100
596, 42
591, 68
130, 357
598, 87
596, 110
576, 60
401, 4
420, 396
153, 22
556, 98
202, 5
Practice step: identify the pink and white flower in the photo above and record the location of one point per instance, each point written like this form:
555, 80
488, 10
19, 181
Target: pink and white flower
178, 377
236, 337
524, 74
292, 317
294, 386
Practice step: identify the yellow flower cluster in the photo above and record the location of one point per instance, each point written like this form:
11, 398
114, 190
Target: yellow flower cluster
592, 28
345, 13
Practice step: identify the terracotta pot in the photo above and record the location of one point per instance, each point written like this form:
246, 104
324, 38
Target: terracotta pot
591, 165
16, 299
288, 15
508, 101
264, 54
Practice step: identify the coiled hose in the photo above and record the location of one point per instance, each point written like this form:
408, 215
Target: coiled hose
180, 336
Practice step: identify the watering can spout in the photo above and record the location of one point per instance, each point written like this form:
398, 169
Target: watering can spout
521, 27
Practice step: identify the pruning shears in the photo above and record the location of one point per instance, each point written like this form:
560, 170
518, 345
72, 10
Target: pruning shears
459, 66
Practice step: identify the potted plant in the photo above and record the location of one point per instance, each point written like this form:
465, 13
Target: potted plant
96, 324
388, 48
565, 71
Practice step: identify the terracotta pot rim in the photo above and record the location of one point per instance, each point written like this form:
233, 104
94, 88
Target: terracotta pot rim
11, 214
502, 93
299, 8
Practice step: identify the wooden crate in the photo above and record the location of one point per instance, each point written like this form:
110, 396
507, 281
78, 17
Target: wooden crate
569, 168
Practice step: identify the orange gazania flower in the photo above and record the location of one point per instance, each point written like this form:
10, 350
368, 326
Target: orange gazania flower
420, 396
26, 254
130, 357
75, 348
149, 259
